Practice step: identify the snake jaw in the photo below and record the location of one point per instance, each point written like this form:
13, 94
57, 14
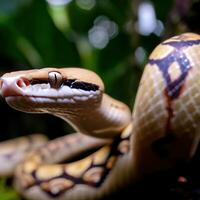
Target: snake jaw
53, 91
54, 88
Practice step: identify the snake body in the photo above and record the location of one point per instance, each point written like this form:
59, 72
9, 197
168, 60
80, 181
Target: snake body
162, 132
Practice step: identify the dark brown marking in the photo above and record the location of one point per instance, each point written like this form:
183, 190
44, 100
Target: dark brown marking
174, 88
106, 167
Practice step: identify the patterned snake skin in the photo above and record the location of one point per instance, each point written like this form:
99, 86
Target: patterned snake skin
162, 132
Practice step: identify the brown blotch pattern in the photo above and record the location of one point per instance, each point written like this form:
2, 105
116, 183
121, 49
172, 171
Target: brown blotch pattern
92, 170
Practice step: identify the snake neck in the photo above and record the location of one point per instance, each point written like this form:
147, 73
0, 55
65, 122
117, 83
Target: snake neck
105, 119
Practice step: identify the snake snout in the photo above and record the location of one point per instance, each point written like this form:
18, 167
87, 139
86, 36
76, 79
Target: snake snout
23, 82
12, 87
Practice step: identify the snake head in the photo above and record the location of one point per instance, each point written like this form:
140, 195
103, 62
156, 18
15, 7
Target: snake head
39, 90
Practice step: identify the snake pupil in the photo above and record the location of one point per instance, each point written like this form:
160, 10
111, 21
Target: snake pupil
55, 79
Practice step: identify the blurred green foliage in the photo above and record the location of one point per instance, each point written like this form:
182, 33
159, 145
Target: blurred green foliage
36, 34
7, 192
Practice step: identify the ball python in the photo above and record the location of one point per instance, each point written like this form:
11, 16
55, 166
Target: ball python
161, 132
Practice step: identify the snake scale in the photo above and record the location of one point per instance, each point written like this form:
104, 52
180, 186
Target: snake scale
162, 131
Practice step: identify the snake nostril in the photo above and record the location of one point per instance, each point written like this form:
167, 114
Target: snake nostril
23, 82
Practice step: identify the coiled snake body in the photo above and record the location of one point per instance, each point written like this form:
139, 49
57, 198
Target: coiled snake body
162, 131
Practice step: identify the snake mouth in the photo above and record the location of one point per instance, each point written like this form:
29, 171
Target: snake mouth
70, 90
40, 96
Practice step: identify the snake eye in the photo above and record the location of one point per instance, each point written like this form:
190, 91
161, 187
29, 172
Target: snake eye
55, 79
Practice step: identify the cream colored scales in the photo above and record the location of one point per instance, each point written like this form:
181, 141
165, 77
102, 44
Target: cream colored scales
163, 129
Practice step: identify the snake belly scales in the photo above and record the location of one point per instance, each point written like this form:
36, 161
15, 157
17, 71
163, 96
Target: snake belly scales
162, 130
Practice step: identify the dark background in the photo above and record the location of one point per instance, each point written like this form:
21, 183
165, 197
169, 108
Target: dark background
36, 34
111, 37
